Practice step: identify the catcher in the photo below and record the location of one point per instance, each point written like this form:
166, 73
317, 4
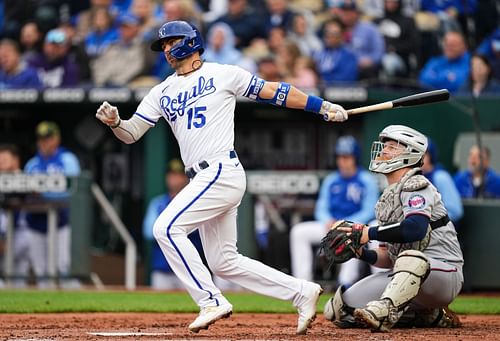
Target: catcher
418, 246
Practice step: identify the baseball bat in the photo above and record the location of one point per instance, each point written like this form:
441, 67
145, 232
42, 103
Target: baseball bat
407, 101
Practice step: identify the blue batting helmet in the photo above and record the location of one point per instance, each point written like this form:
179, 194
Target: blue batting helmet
191, 39
347, 145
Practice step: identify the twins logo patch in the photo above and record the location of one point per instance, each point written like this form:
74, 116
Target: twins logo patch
416, 201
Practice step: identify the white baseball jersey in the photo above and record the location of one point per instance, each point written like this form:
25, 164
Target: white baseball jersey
199, 108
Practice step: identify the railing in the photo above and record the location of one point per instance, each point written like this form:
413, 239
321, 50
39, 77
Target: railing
130, 246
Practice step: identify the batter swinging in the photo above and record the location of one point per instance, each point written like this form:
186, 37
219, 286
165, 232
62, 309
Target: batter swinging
198, 102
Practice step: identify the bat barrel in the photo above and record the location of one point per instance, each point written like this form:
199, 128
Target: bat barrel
422, 98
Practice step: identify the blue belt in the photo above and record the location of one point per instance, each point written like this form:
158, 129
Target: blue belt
191, 172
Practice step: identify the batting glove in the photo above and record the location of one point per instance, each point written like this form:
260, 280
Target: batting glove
333, 112
108, 115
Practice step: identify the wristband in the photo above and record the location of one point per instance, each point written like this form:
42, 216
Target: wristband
369, 256
313, 104
116, 125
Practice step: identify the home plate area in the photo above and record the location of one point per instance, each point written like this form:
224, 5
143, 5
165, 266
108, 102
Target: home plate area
173, 326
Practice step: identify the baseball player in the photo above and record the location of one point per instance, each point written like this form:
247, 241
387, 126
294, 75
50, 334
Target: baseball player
419, 246
198, 102
51, 158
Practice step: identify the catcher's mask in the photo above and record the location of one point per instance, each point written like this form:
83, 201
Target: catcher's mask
190, 43
408, 150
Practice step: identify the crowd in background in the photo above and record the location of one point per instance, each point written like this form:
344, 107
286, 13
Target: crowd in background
311, 44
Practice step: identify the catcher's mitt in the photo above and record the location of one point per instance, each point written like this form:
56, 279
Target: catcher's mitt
338, 247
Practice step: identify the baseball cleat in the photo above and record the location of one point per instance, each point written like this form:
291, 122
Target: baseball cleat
307, 310
209, 315
375, 316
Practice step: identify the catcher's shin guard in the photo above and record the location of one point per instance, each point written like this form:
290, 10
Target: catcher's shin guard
410, 270
338, 312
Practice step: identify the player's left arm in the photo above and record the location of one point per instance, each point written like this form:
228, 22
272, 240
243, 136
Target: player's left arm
284, 94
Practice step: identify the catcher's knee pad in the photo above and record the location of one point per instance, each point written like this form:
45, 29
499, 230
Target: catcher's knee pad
410, 270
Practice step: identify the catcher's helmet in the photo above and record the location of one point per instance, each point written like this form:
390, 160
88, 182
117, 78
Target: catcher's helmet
347, 145
414, 143
190, 43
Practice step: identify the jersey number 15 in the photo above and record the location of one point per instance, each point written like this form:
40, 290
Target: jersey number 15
196, 117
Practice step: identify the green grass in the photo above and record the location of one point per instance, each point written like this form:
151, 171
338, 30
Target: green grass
35, 301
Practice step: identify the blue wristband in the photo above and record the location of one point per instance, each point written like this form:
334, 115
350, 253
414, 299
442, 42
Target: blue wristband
313, 104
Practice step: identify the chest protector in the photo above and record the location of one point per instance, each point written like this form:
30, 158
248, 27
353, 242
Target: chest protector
389, 210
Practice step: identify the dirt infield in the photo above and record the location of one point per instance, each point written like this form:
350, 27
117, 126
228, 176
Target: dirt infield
146, 326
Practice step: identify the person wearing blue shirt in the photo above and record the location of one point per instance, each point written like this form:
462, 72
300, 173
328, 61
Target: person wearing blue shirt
350, 194
335, 63
479, 180
14, 72
444, 183
162, 277
490, 47
51, 158
362, 37
451, 70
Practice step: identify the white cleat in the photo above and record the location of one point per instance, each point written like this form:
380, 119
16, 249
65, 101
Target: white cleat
209, 315
307, 310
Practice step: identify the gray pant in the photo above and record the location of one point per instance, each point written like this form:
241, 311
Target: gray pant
439, 289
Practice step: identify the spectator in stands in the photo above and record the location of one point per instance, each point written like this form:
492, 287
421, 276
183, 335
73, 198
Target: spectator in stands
56, 66
10, 162
102, 32
401, 41
451, 69
481, 77
296, 69
220, 48
335, 62
350, 194
162, 276
363, 38
123, 60
490, 47
84, 18
267, 69
181, 10
31, 40
246, 25
443, 181
479, 180
14, 72
77, 49
144, 11
302, 33
451, 13
51, 158
278, 14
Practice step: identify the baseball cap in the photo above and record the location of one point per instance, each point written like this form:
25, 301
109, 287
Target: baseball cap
347, 145
343, 4
47, 129
56, 36
128, 19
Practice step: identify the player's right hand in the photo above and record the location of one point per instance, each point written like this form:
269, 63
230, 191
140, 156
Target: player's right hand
333, 112
108, 115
